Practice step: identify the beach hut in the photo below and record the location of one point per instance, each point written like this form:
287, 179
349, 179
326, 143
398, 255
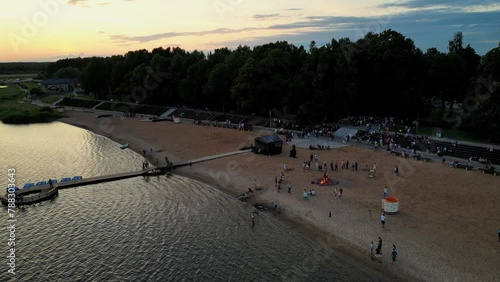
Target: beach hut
268, 144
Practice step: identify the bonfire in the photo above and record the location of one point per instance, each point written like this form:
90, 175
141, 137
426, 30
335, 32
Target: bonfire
325, 180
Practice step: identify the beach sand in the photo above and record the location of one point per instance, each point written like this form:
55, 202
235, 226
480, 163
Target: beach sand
445, 230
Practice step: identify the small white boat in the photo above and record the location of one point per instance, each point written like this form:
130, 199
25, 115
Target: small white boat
124, 146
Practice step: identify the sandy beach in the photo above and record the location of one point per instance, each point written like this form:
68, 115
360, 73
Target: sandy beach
445, 230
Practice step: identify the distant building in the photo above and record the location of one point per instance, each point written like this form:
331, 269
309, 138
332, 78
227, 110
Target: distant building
268, 144
61, 84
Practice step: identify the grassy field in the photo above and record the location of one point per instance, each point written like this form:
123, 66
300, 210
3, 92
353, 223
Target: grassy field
14, 110
132, 108
51, 99
27, 75
30, 85
79, 103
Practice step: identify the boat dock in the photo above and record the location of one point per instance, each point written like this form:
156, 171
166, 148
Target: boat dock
94, 180
40, 191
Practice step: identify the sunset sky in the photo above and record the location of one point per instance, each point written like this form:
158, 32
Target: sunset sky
48, 30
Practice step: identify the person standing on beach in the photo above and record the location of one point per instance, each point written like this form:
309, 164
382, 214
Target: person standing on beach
382, 220
340, 193
255, 184
50, 183
304, 194
385, 193
289, 186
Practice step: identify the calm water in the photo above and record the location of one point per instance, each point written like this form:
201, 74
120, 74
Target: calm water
156, 229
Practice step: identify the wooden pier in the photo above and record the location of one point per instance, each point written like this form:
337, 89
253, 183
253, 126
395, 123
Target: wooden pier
38, 192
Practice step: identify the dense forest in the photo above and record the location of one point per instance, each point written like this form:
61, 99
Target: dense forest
382, 74
22, 68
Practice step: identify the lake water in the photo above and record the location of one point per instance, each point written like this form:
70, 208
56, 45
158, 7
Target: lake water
142, 229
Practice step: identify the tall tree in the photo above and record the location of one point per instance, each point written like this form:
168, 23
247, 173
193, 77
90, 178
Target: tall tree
95, 77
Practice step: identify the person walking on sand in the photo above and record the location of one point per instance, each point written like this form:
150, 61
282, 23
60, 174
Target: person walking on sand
394, 253
382, 220
304, 194
385, 193
289, 186
378, 251
340, 193
371, 251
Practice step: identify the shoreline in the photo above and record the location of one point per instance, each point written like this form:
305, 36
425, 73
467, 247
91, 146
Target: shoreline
303, 228
229, 174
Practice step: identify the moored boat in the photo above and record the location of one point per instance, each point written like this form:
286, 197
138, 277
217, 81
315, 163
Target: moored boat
29, 196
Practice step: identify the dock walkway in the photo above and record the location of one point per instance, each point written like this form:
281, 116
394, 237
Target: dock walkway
107, 178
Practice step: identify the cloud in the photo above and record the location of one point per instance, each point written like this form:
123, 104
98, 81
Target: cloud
428, 28
152, 37
84, 3
60, 57
77, 2
265, 16
419, 4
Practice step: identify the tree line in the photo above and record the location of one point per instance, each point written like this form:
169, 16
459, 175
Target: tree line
22, 68
381, 74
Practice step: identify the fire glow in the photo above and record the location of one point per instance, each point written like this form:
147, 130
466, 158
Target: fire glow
325, 180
